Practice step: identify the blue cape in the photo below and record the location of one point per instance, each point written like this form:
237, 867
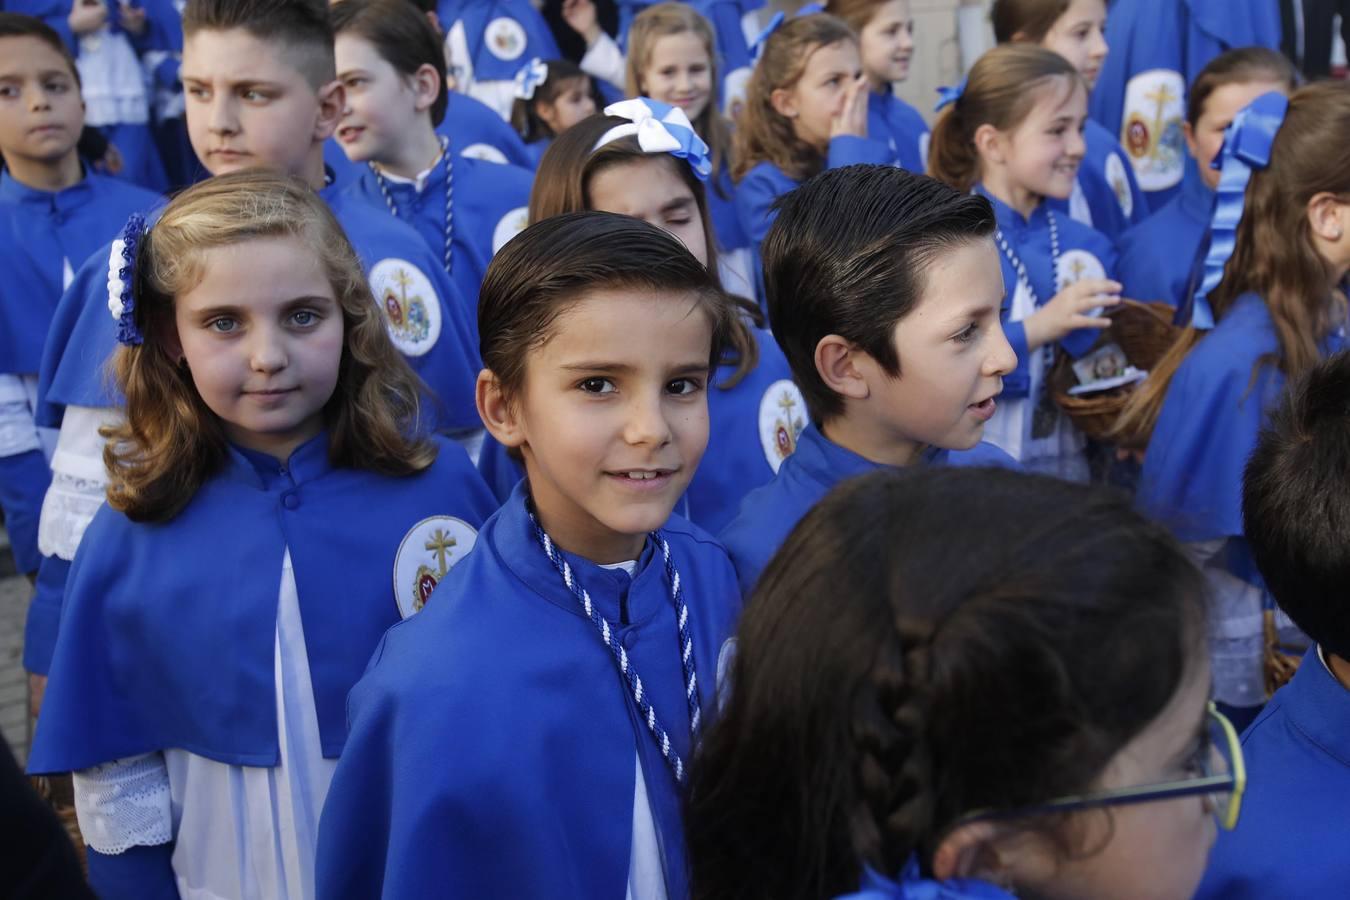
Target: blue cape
499, 56
1158, 256
492, 740
901, 127
168, 630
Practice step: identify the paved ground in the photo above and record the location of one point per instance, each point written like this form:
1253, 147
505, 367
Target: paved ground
14, 592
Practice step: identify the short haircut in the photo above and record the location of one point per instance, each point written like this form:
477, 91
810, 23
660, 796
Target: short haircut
849, 254
555, 263
298, 28
402, 36
1296, 504
16, 25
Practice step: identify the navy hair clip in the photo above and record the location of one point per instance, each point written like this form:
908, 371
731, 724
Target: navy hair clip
122, 281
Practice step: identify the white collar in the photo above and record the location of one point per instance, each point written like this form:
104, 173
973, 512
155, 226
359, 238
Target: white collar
419, 181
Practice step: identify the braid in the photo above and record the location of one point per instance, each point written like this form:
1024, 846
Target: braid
895, 801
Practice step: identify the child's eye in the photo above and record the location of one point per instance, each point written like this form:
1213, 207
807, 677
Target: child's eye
222, 325
304, 317
678, 221
682, 387
698, 69
967, 334
597, 386
1197, 764
254, 96
9, 90
57, 87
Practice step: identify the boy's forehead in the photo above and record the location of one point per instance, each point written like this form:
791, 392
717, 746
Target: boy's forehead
25, 54
236, 54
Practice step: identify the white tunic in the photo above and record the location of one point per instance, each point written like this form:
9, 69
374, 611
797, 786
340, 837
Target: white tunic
241, 832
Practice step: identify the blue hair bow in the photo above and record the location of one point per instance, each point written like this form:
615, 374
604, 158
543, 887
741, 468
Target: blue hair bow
530, 76
777, 21
122, 281
659, 128
949, 95
1246, 146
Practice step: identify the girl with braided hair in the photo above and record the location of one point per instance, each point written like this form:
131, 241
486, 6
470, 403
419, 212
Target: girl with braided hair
960, 684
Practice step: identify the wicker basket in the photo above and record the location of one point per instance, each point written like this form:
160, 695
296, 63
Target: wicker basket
1144, 331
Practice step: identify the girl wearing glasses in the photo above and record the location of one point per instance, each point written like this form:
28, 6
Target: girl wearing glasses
972, 684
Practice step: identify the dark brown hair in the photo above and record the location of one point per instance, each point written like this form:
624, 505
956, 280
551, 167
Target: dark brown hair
171, 442
555, 263
1001, 90
926, 645
1274, 255
401, 35
762, 133
562, 185
525, 117
857, 13
1245, 64
1026, 20
16, 25
849, 255
299, 28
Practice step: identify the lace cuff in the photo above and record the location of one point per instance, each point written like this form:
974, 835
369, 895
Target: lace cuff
124, 804
67, 510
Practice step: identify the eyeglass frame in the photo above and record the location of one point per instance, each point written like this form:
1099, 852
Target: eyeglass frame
1233, 783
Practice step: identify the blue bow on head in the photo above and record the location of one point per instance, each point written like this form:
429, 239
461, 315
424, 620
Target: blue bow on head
757, 45
659, 128
122, 280
949, 95
530, 76
1246, 146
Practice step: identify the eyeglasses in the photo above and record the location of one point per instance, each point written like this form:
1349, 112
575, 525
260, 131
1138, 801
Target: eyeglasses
1222, 781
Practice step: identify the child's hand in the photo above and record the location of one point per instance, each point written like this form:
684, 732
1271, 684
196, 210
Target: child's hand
1070, 310
87, 16
132, 18
580, 16
852, 116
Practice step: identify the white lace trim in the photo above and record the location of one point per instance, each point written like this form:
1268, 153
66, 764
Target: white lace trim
114, 83
67, 510
124, 804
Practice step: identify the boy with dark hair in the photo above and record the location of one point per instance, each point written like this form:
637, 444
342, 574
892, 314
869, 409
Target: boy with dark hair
884, 290
1296, 518
53, 216
261, 89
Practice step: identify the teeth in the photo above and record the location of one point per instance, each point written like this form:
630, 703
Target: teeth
640, 476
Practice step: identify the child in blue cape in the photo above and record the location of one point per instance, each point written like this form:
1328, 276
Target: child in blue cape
527, 735
1014, 133
672, 58
1293, 494
53, 216
601, 164
551, 97
885, 30
1106, 195
805, 111
273, 507
487, 42
1269, 311
899, 366
1157, 48
1160, 258
393, 70
290, 47
966, 684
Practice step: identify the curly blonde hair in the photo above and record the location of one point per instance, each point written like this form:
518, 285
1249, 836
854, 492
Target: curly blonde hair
170, 442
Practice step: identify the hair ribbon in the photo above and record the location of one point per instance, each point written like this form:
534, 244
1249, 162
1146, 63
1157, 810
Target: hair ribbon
950, 94
530, 76
1246, 146
757, 45
659, 128
122, 280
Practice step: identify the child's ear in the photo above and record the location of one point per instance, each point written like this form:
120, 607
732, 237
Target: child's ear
548, 114
1188, 133
784, 102
990, 144
970, 851
1326, 216
332, 99
498, 413
837, 362
426, 83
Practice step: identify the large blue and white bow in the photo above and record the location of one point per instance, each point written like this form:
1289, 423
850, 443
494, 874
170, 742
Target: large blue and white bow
949, 95
528, 79
1246, 146
659, 128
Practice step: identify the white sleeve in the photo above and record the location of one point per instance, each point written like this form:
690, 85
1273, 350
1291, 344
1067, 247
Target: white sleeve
605, 60
124, 804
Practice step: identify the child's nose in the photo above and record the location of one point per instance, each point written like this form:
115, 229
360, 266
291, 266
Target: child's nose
647, 424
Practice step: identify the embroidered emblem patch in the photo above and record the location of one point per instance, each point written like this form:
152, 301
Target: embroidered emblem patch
428, 551
485, 152
411, 308
1075, 265
510, 225
733, 91
1120, 183
505, 38
782, 416
1151, 128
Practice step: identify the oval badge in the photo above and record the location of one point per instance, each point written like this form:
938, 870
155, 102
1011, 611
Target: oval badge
508, 226
782, 416
505, 38
429, 550
1151, 128
412, 310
